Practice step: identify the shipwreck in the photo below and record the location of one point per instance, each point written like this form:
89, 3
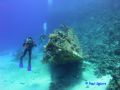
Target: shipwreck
63, 54
63, 46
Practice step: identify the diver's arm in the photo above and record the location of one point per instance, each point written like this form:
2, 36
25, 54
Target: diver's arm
24, 43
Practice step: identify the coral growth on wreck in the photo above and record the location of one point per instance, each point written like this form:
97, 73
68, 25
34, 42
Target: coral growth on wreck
63, 46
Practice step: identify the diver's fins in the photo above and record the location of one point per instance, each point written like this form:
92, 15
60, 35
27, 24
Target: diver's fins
21, 64
29, 68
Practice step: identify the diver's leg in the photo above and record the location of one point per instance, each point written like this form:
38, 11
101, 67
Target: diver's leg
21, 59
29, 61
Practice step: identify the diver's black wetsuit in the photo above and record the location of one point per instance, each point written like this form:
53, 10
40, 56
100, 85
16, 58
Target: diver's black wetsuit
28, 45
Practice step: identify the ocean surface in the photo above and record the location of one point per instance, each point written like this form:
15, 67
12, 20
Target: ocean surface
96, 22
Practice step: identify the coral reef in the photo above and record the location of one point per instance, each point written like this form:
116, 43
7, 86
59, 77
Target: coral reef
102, 43
115, 82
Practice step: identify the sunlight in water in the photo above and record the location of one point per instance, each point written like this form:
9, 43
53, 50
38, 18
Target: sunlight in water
50, 2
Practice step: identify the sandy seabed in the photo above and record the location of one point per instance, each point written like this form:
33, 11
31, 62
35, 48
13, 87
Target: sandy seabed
14, 78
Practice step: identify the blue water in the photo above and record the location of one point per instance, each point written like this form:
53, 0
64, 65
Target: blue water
93, 21
18, 19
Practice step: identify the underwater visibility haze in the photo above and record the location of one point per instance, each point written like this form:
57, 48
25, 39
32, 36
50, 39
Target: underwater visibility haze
60, 45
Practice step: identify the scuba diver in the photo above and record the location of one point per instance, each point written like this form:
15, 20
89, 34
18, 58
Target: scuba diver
28, 45
43, 38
